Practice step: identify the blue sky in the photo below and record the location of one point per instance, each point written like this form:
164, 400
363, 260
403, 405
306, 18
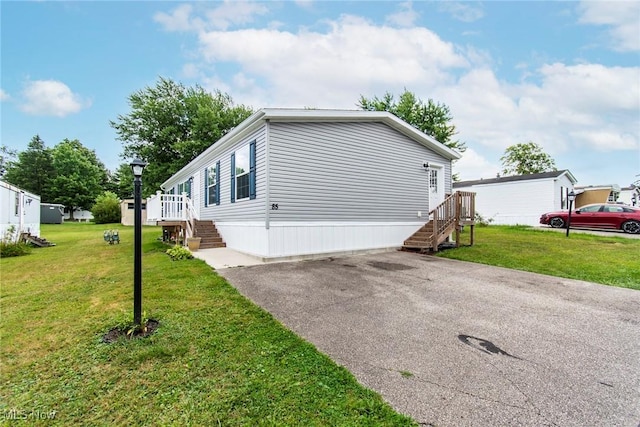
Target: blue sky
565, 75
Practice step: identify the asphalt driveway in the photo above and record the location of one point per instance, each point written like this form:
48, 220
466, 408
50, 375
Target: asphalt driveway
452, 343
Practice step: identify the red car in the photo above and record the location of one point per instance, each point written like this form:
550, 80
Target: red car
619, 217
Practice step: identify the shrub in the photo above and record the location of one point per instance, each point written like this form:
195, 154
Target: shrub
9, 246
178, 253
106, 209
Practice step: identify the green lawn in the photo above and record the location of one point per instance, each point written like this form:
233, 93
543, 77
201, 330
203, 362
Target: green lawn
608, 260
217, 359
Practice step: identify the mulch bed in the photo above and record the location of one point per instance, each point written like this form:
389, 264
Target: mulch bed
116, 333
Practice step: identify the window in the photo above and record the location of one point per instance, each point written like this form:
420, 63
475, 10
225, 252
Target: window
433, 180
592, 208
131, 206
17, 210
212, 184
243, 173
615, 209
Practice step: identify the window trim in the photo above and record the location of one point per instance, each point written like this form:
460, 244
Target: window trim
208, 185
251, 172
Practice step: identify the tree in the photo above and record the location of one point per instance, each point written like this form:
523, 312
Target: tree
526, 158
79, 175
432, 118
123, 181
170, 124
7, 157
33, 171
106, 209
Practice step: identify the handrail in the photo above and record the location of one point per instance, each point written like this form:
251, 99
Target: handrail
457, 207
173, 207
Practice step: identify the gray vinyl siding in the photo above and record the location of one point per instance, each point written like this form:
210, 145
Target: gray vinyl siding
241, 210
348, 172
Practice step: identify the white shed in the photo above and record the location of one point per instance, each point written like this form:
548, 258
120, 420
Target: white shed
19, 209
520, 199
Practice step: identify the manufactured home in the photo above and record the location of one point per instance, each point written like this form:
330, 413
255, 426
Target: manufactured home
20, 210
520, 199
291, 183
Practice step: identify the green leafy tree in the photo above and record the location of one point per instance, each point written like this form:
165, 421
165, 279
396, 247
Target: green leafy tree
431, 117
525, 159
79, 175
123, 181
106, 209
170, 124
33, 171
7, 157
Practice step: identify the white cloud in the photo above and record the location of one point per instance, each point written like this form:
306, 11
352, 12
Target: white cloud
3, 95
179, 20
566, 108
464, 12
406, 17
228, 14
622, 18
50, 98
232, 13
473, 165
572, 108
317, 68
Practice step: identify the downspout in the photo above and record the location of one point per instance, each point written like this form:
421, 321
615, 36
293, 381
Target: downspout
267, 173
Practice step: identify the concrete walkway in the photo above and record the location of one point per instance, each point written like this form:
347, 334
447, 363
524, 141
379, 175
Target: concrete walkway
225, 258
452, 343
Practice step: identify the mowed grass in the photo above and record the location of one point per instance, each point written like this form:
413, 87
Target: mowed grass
216, 359
608, 260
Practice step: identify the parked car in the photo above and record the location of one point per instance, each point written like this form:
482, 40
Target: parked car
625, 218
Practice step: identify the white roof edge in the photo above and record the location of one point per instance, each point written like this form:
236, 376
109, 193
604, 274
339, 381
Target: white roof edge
570, 176
12, 187
296, 114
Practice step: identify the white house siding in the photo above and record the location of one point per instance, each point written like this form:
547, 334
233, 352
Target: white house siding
348, 172
28, 208
518, 202
244, 210
342, 187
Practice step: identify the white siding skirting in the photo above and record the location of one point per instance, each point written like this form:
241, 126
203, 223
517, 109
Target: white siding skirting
294, 239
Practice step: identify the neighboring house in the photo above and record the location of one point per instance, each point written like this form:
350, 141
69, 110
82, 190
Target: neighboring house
78, 215
630, 195
586, 195
20, 209
291, 182
51, 213
126, 212
520, 199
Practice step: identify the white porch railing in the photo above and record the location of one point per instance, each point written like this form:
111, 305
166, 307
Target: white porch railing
172, 207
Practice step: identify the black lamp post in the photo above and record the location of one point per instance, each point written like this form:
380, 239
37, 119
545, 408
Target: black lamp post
137, 166
571, 196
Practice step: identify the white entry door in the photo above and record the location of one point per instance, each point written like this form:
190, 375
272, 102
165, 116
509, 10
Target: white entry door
436, 186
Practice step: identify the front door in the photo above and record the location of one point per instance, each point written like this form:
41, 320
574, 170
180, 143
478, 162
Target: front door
436, 186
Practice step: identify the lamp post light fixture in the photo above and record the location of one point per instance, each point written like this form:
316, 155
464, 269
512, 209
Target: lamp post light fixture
571, 196
137, 166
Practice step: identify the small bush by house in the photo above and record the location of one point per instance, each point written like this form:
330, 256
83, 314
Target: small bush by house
106, 209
